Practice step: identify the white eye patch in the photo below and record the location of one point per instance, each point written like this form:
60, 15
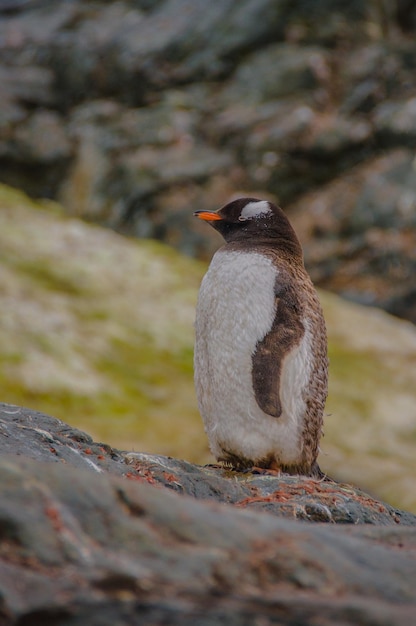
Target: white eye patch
255, 209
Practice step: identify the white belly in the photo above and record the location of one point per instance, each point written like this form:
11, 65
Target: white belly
236, 308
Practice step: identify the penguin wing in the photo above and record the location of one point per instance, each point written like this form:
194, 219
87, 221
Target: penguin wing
267, 360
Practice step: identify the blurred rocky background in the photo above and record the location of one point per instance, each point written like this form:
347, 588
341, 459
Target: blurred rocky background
131, 115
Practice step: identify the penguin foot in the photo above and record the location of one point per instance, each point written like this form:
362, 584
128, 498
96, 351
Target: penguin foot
264, 471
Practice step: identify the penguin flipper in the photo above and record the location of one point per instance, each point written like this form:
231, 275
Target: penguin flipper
267, 360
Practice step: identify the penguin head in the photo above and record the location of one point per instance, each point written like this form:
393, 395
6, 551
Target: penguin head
251, 219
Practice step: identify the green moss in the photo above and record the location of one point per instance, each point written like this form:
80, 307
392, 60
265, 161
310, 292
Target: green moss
75, 308
186, 273
13, 197
148, 404
50, 276
140, 360
352, 365
353, 376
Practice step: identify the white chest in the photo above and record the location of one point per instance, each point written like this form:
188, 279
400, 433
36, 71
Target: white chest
236, 305
236, 309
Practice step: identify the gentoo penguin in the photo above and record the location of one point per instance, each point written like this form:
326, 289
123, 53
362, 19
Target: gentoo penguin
261, 367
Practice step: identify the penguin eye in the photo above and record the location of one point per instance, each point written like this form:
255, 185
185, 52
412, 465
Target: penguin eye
243, 219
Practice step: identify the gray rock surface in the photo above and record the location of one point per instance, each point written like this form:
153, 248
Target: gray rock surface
83, 540
359, 233
136, 113
43, 438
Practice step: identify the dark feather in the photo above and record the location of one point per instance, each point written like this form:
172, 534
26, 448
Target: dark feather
285, 334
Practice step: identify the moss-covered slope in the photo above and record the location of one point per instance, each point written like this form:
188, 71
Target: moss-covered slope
97, 329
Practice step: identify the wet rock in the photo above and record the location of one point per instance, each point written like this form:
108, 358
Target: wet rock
80, 546
368, 221
133, 53
275, 72
396, 122
41, 437
406, 14
28, 85
42, 139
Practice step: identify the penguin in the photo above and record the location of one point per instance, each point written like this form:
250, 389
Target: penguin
260, 360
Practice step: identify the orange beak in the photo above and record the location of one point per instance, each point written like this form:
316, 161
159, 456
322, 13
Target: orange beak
208, 216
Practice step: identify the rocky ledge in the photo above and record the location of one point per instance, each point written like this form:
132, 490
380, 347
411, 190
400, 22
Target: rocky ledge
93, 535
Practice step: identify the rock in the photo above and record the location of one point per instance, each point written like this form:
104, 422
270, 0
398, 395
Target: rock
134, 113
88, 547
406, 14
43, 438
396, 121
368, 218
41, 140
177, 42
376, 72
275, 72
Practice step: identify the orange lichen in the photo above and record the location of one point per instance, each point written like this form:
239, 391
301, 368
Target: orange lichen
142, 476
55, 517
170, 478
